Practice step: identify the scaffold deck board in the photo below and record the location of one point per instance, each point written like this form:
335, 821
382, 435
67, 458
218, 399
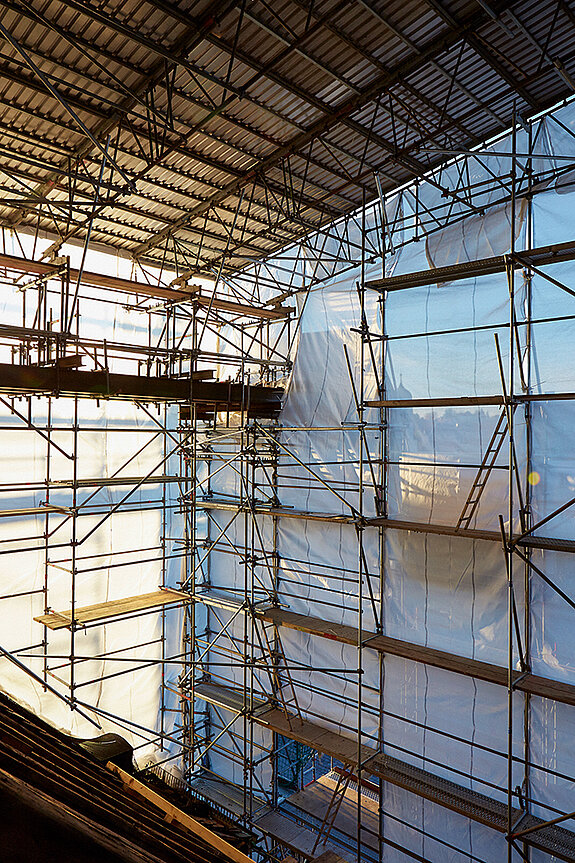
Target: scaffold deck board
315, 800
277, 511
226, 796
319, 738
16, 378
34, 510
97, 482
478, 807
295, 836
115, 283
460, 401
229, 699
531, 683
440, 529
548, 543
114, 608
463, 401
543, 542
540, 256
473, 805
218, 304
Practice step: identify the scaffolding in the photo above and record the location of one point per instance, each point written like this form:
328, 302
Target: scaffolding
249, 692
96, 483
249, 696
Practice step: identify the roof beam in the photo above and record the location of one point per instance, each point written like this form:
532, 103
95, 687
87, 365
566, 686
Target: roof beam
196, 32
333, 118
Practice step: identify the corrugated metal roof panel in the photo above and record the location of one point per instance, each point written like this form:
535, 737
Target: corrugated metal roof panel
287, 102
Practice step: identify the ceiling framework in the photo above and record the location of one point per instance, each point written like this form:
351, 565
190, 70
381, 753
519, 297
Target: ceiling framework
206, 136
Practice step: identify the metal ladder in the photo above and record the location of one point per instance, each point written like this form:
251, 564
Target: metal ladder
482, 475
337, 797
276, 665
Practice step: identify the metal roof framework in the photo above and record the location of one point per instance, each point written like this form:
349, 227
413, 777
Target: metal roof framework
205, 136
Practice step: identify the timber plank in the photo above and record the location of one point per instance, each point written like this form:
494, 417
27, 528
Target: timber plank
322, 739
329, 857
544, 542
173, 814
296, 837
540, 256
114, 608
473, 805
315, 800
531, 683
460, 401
115, 283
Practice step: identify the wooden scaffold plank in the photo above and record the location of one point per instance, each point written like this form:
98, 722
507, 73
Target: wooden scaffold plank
113, 608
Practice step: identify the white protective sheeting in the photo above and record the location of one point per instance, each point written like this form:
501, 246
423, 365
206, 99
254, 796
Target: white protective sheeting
443, 592
118, 556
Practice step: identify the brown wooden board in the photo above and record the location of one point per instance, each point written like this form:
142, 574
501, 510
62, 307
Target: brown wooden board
294, 836
315, 799
115, 283
330, 742
173, 814
545, 542
539, 256
535, 685
438, 403
114, 608
478, 807
33, 510
243, 309
329, 857
277, 511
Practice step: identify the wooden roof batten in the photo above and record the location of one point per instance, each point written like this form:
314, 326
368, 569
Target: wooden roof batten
50, 773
